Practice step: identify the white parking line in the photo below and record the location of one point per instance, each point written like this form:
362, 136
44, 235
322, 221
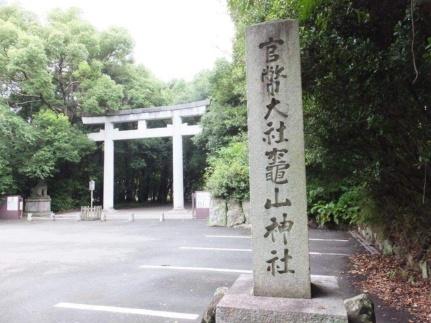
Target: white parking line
332, 240
216, 249
250, 250
249, 237
233, 237
329, 254
223, 270
126, 310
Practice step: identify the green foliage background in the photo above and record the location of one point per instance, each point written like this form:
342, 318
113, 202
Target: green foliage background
367, 115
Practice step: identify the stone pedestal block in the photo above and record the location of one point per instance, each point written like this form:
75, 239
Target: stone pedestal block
217, 213
246, 210
240, 305
38, 206
235, 215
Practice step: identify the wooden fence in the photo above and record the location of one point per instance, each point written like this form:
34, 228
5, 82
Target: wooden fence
91, 213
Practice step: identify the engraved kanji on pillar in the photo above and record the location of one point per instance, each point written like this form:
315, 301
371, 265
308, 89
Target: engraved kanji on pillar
277, 166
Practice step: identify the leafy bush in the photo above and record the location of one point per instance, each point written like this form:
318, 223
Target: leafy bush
227, 173
70, 191
346, 210
62, 202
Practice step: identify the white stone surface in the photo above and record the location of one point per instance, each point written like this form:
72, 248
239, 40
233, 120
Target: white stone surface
157, 113
217, 213
108, 168
203, 199
277, 167
177, 152
239, 305
246, 210
235, 215
38, 206
12, 203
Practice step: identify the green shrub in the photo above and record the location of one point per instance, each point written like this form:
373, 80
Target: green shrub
346, 210
68, 193
227, 173
62, 202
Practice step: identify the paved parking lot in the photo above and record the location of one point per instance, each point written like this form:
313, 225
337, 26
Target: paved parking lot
143, 271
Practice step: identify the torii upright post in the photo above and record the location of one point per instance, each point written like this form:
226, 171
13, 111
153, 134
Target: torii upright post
108, 168
177, 151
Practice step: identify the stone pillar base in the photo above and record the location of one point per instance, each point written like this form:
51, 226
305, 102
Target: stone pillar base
240, 305
38, 206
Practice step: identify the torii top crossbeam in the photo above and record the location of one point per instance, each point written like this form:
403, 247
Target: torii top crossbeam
173, 112
176, 130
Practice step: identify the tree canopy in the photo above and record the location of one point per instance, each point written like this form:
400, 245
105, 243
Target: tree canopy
66, 65
35, 150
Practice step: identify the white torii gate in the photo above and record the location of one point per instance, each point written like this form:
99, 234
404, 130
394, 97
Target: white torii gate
176, 130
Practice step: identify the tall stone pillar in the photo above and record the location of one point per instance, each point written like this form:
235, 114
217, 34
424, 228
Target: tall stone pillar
280, 288
177, 152
108, 168
278, 209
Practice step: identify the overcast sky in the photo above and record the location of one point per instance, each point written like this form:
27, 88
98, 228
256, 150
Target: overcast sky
173, 38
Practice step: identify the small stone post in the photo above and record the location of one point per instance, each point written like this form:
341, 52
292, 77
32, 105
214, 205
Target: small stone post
132, 217
277, 167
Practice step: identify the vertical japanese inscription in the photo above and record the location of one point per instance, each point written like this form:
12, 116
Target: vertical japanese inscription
277, 169
277, 166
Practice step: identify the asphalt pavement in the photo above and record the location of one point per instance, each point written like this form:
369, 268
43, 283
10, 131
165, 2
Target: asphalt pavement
142, 271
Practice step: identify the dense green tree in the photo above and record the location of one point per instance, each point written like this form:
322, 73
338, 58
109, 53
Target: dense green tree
141, 88
15, 136
35, 151
366, 73
50, 75
227, 117
221, 125
181, 91
54, 141
58, 65
68, 66
143, 170
227, 172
